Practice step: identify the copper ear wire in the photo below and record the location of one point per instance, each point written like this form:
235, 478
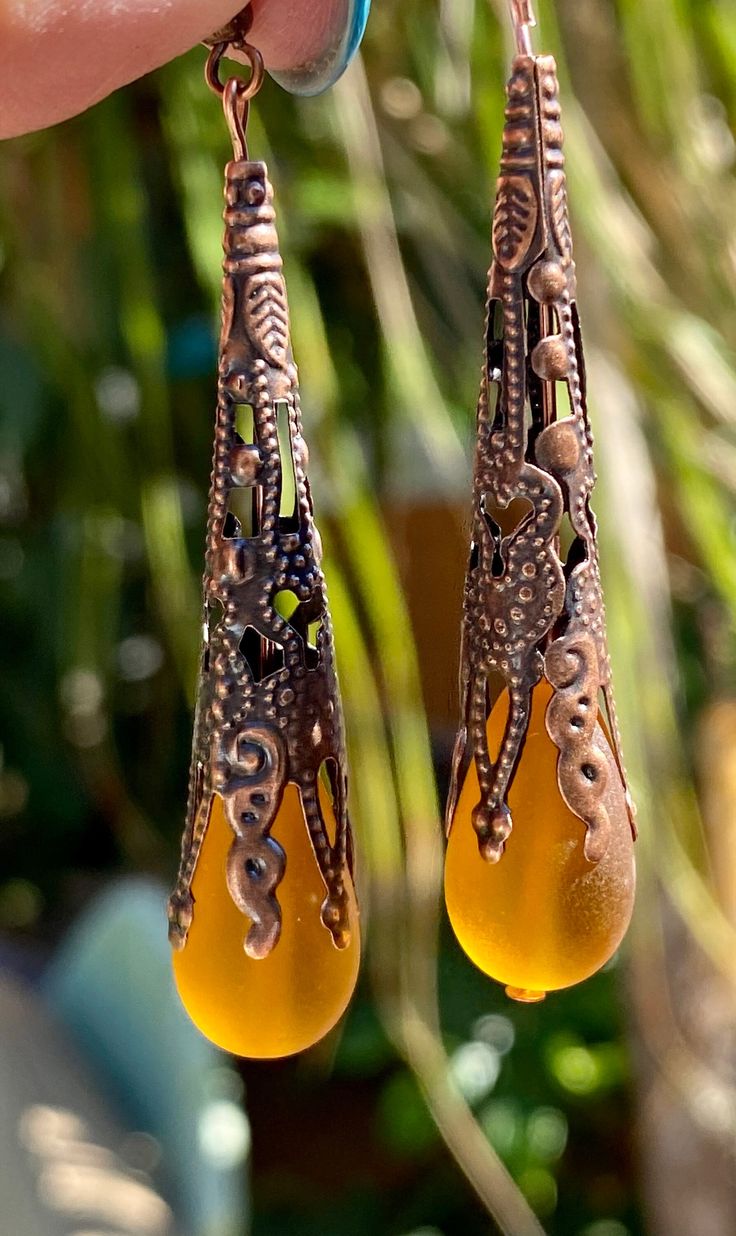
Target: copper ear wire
237, 92
522, 15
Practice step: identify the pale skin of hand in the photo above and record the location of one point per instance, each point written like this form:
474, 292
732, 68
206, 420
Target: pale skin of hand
58, 57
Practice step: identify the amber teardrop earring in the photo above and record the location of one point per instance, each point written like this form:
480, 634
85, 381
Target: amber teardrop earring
263, 919
539, 875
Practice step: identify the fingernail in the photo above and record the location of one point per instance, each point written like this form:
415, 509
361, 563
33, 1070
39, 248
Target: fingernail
342, 42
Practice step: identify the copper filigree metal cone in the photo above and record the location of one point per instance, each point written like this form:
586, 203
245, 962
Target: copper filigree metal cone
268, 710
533, 613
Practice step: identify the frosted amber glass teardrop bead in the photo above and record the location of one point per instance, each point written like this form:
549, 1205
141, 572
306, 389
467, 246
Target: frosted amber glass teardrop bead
287, 1001
543, 917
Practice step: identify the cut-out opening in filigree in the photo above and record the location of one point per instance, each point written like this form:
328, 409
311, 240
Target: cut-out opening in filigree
603, 708
262, 656
288, 518
240, 520
243, 502
562, 398
313, 630
300, 617
244, 424
328, 794
198, 772
541, 321
549, 402
213, 615
578, 340
494, 357
501, 522
495, 687
285, 603
494, 341
327, 778
498, 565
548, 398
507, 518
572, 549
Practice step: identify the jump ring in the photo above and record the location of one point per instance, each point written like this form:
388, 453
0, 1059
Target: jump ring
246, 89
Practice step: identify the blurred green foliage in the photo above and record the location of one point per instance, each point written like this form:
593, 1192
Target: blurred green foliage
437, 1096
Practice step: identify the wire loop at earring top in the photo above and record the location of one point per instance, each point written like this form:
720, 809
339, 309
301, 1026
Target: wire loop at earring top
236, 97
246, 89
237, 92
522, 16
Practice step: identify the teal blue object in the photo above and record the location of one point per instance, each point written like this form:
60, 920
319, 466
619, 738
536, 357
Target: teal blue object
331, 63
111, 986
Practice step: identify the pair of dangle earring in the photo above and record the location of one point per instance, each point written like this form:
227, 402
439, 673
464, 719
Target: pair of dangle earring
539, 875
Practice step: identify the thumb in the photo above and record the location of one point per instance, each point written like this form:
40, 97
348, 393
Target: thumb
58, 57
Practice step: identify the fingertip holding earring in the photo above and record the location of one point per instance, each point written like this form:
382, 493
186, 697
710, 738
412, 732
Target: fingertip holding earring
342, 38
341, 33
539, 874
264, 919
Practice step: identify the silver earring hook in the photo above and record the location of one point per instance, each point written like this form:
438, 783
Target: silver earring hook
522, 15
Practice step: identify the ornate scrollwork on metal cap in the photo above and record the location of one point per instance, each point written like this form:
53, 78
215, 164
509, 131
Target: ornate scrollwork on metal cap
528, 612
268, 709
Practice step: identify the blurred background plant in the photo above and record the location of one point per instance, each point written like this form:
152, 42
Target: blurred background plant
609, 1110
